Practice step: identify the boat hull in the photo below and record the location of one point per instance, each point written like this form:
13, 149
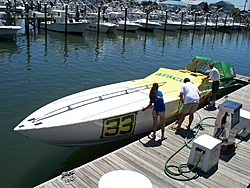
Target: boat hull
130, 26
168, 27
73, 28
147, 25
8, 32
103, 27
112, 112
97, 131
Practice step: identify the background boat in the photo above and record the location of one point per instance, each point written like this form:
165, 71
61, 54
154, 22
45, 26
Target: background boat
123, 24
58, 23
8, 32
104, 26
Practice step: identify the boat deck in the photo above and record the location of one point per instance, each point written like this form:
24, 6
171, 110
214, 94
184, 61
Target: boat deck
148, 157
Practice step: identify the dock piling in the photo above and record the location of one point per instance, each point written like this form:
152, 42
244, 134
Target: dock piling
166, 21
206, 22
98, 19
182, 16
125, 21
216, 22
45, 16
195, 21
27, 18
147, 12
66, 19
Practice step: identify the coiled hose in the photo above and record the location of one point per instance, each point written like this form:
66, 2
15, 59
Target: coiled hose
180, 168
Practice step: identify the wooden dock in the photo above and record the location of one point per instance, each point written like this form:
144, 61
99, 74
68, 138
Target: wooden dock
148, 157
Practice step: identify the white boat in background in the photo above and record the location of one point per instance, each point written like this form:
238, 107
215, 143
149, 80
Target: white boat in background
123, 24
58, 23
147, 25
169, 26
104, 27
127, 26
19, 9
114, 112
8, 32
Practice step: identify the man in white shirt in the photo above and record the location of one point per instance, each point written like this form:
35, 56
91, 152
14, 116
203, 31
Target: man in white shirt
190, 96
214, 75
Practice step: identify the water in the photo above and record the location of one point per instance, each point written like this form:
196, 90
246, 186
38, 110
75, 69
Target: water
37, 71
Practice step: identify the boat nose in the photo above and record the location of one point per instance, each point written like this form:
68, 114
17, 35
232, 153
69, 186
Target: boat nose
19, 127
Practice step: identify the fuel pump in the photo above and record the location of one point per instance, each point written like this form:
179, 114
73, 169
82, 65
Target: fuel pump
243, 130
225, 125
206, 152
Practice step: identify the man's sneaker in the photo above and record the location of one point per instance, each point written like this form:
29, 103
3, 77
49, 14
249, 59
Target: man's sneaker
163, 137
212, 103
152, 136
210, 107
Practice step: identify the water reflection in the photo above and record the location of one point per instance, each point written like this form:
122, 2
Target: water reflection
8, 48
97, 48
28, 66
204, 37
86, 154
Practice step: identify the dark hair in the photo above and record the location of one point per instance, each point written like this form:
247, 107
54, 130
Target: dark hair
186, 80
153, 91
211, 64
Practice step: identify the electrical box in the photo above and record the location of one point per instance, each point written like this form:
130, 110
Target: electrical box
225, 125
243, 129
207, 149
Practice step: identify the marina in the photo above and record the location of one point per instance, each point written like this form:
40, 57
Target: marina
48, 65
148, 157
101, 17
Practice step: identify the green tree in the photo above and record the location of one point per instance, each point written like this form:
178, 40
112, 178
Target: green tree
205, 7
235, 11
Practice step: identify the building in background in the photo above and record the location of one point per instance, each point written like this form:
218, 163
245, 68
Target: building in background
225, 5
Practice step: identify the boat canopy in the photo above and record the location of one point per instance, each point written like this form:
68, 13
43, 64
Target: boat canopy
200, 64
226, 70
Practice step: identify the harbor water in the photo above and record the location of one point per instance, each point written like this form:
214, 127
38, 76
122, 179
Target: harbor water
43, 67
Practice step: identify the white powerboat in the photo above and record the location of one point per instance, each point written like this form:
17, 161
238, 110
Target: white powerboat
113, 112
58, 23
147, 25
8, 32
123, 23
127, 26
104, 27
